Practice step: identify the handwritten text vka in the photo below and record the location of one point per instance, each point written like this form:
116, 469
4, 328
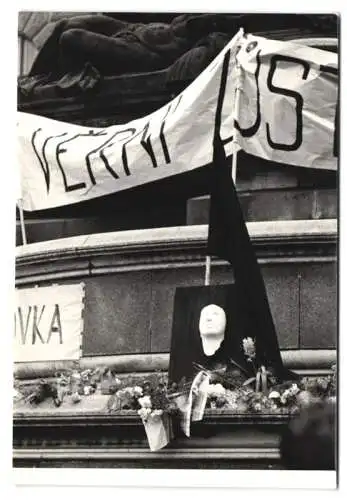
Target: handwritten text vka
38, 324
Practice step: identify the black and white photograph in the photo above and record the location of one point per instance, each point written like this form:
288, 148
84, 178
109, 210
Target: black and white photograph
176, 241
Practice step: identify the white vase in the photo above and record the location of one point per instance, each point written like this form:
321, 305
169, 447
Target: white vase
158, 430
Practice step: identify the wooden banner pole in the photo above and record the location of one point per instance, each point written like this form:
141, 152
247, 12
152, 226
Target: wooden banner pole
22, 224
236, 115
207, 270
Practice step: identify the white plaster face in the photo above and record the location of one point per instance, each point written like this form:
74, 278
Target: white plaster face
212, 327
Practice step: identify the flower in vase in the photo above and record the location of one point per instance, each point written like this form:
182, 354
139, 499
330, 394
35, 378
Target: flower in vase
249, 348
156, 414
144, 413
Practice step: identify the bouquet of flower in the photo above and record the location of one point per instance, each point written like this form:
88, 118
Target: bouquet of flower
149, 393
156, 422
153, 405
217, 396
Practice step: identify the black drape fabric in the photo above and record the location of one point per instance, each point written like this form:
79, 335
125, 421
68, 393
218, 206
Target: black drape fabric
228, 239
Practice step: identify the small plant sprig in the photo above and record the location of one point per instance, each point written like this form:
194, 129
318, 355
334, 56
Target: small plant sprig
261, 374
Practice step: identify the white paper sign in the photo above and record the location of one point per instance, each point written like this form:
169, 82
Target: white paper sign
48, 323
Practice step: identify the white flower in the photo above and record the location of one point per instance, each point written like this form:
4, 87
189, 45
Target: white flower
157, 412
274, 395
284, 396
144, 413
145, 402
87, 390
138, 391
249, 347
219, 389
215, 390
231, 396
128, 392
294, 389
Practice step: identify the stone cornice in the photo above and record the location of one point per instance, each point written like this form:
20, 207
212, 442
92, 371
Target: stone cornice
79, 257
182, 237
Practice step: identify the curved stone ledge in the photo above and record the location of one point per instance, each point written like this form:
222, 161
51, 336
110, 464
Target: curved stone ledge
276, 242
174, 236
168, 248
306, 362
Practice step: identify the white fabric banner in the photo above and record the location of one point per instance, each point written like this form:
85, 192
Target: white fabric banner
288, 103
48, 323
62, 163
287, 113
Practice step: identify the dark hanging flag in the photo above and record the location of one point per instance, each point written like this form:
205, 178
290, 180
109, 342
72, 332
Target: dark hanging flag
228, 239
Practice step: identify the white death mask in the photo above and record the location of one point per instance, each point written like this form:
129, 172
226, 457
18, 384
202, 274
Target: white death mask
212, 327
